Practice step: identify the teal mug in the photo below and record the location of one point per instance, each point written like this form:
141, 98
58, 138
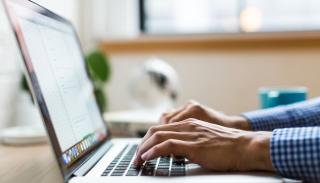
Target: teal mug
272, 97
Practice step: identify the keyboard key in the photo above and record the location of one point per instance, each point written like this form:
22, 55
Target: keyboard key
121, 163
104, 174
113, 163
116, 174
146, 173
133, 173
120, 169
148, 169
163, 166
178, 172
162, 172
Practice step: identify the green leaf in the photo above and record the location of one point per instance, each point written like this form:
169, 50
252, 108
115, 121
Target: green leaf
24, 84
25, 87
99, 67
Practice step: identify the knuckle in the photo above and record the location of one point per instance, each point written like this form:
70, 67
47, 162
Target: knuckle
199, 135
192, 125
158, 135
196, 107
153, 130
171, 143
187, 122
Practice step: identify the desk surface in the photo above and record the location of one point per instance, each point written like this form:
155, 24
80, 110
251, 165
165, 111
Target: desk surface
28, 164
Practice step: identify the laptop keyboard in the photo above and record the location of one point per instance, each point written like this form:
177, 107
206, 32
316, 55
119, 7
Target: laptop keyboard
122, 165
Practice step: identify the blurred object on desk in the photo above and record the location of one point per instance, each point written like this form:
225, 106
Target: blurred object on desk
133, 123
23, 135
277, 96
154, 86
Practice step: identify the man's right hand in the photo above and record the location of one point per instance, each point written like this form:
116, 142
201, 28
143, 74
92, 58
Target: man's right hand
195, 110
214, 147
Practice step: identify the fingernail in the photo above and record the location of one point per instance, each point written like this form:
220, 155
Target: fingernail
144, 157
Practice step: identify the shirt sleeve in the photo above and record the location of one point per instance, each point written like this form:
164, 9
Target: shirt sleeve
303, 114
295, 153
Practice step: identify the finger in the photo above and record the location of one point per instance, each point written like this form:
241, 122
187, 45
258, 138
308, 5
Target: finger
181, 116
183, 126
169, 147
166, 127
167, 116
158, 138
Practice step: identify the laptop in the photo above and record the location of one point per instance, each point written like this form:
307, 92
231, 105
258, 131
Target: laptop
58, 77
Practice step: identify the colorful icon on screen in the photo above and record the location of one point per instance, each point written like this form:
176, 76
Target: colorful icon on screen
65, 159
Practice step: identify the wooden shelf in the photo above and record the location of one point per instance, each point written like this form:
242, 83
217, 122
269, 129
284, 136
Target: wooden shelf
153, 43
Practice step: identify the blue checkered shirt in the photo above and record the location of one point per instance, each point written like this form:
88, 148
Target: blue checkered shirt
295, 142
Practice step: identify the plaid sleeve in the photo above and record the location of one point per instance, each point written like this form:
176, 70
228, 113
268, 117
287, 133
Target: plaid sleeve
303, 114
295, 153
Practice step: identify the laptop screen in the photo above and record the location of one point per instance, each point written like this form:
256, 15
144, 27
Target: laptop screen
58, 74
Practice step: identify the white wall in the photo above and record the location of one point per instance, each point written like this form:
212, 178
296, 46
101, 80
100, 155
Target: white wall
107, 19
226, 80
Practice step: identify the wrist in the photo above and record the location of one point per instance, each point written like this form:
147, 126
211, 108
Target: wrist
257, 150
239, 122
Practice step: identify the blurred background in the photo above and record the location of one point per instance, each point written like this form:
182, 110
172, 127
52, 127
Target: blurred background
222, 50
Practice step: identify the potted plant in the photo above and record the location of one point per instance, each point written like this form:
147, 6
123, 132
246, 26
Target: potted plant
100, 72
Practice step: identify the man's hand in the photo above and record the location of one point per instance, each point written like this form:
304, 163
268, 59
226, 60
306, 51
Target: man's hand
195, 110
212, 146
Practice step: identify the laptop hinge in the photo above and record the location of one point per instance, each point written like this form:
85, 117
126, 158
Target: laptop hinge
92, 161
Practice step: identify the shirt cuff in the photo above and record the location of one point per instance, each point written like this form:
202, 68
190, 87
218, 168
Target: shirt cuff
295, 153
267, 119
